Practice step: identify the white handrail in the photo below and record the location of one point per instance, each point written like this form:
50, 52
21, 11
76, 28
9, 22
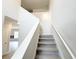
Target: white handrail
65, 44
24, 45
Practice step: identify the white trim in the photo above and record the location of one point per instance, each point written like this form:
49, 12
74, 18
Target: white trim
65, 45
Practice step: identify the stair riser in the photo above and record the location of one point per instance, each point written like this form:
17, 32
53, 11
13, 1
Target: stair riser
46, 36
47, 45
48, 57
47, 52
46, 40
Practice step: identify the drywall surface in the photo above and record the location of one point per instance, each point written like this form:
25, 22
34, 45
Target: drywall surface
32, 47
45, 22
63, 19
63, 52
27, 49
27, 21
11, 8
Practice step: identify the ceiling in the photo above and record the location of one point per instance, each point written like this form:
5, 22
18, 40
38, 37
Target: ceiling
35, 4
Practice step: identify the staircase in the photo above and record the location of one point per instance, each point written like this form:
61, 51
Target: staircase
47, 48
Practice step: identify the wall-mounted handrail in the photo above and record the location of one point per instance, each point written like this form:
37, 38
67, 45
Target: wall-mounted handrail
64, 43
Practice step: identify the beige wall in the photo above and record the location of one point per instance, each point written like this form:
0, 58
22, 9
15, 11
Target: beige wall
6, 36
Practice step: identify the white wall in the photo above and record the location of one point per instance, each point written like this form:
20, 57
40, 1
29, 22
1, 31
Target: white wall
11, 8
45, 22
27, 21
63, 19
63, 52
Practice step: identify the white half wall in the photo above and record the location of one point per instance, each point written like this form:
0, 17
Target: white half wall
26, 22
63, 16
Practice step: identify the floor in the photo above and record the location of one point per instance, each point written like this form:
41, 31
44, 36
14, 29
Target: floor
13, 47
